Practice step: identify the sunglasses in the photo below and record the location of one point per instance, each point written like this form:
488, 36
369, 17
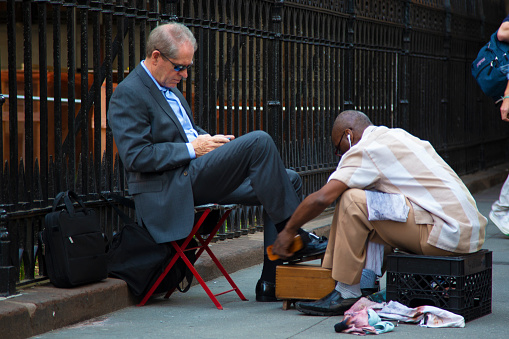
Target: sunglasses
176, 67
338, 151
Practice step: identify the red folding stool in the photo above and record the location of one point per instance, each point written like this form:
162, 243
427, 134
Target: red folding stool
203, 246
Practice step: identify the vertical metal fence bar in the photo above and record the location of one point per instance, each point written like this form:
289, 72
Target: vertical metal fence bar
43, 105
245, 40
211, 118
221, 76
141, 18
258, 74
131, 17
308, 94
228, 70
98, 114
153, 14
327, 88
26, 195
349, 61
71, 71
200, 104
315, 93
13, 103
119, 19
236, 121
265, 50
119, 14
56, 176
403, 79
286, 99
251, 66
83, 155
108, 63
299, 96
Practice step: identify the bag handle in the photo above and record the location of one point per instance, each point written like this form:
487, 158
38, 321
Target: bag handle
69, 204
123, 201
57, 201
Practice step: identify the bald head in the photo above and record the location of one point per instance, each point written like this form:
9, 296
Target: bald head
355, 120
348, 128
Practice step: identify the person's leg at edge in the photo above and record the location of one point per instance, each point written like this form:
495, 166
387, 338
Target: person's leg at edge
499, 213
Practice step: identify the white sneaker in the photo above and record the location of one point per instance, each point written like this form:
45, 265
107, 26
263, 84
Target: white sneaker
501, 220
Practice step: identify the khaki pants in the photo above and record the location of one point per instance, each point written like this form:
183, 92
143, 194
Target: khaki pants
351, 230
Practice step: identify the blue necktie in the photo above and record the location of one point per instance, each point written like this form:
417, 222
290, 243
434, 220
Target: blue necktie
176, 106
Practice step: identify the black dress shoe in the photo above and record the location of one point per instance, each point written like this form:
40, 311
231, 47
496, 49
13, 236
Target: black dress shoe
331, 304
316, 245
265, 291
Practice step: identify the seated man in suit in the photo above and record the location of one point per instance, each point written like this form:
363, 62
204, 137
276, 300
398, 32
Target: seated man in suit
172, 164
394, 191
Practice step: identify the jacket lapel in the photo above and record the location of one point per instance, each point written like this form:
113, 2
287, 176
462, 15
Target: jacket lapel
160, 99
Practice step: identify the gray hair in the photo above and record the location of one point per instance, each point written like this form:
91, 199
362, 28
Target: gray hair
168, 38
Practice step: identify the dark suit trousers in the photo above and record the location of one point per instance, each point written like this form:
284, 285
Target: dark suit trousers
249, 171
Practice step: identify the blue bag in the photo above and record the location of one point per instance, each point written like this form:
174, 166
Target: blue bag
490, 68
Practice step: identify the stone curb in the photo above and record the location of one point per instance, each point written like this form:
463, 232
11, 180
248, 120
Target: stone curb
44, 308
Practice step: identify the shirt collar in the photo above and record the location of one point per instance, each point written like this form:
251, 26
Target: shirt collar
161, 88
367, 131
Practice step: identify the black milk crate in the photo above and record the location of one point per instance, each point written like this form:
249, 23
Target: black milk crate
461, 284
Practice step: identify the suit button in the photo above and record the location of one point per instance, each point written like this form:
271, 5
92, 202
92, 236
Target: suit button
185, 173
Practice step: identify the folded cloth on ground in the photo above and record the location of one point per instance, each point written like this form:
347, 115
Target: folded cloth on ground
363, 320
386, 206
360, 320
365, 303
426, 316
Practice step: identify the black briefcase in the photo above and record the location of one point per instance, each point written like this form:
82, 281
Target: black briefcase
73, 244
135, 257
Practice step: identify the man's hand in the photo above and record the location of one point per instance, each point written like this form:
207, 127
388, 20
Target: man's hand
283, 243
205, 143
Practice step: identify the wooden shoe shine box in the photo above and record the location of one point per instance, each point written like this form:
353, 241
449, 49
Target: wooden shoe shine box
303, 281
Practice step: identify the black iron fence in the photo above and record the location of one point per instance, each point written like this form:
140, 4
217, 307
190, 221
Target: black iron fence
287, 67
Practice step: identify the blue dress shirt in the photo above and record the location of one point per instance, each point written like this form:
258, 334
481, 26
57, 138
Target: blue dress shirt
180, 112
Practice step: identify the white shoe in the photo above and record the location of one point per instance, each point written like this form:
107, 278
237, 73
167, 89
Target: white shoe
501, 220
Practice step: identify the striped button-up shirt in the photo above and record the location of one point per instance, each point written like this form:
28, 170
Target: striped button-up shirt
394, 161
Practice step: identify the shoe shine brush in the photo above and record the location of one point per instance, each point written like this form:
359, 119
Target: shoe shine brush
296, 245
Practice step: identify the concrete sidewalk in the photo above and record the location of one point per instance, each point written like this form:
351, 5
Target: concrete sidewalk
45, 308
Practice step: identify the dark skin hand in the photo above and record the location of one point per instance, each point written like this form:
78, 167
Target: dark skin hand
309, 208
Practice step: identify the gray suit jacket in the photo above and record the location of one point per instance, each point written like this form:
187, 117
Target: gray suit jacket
151, 144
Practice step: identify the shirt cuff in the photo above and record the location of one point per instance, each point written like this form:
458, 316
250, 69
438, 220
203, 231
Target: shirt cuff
191, 151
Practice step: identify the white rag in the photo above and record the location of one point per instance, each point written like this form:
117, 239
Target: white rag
374, 257
426, 316
386, 206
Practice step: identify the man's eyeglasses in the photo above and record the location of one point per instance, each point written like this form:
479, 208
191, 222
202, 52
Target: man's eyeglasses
338, 151
176, 67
